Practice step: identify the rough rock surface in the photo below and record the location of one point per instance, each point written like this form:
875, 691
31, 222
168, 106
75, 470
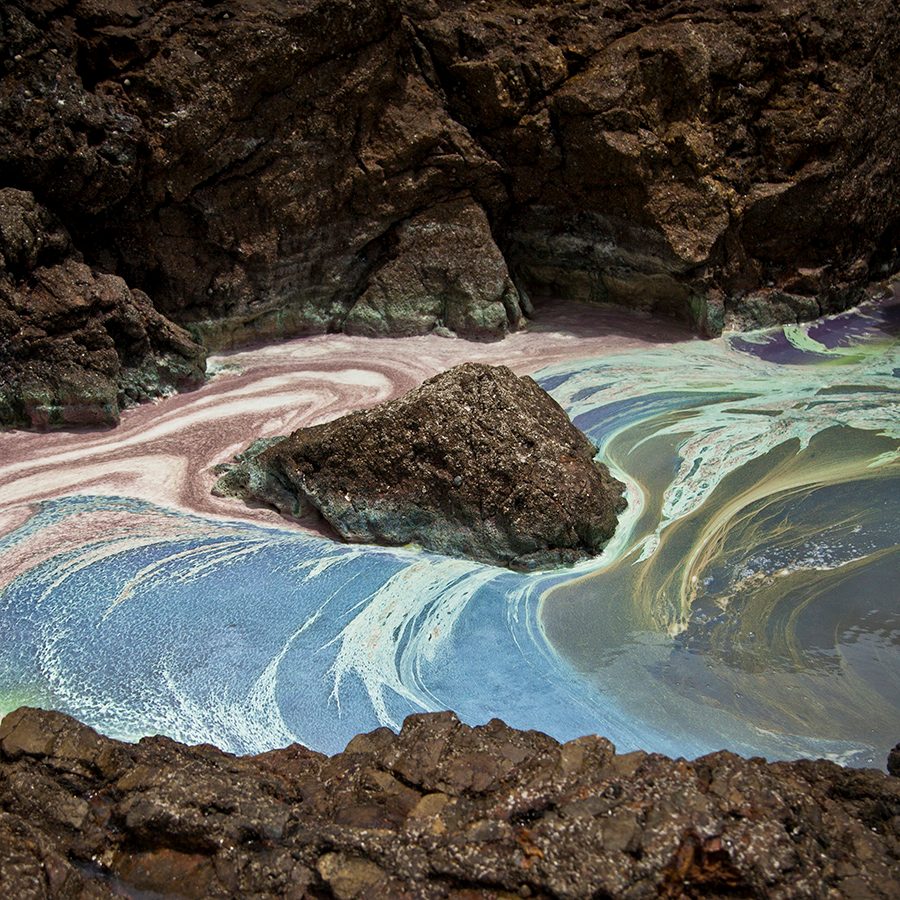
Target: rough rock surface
475, 462
263, 168
446, 272
441, 810
76, 344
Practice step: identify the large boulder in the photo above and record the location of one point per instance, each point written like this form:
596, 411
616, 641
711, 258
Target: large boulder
440, 810
476, 462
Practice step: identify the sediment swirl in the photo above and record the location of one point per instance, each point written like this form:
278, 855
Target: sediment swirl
745, 600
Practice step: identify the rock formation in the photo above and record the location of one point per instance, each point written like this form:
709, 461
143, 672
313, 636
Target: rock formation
261, 168
76, 344
476, 462
441, 810
446, 272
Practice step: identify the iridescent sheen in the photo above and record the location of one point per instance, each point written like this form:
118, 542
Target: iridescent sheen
747, 600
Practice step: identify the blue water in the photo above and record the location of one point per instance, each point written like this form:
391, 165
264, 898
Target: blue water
235, 639
251, 637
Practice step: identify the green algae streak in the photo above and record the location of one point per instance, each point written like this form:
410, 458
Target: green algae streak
755, 579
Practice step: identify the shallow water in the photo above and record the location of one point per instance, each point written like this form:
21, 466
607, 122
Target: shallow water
748, 598
753, 601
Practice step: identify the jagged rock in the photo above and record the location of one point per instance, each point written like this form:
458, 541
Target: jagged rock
476, 462
440, 810
447, 272
258, 179
76, 345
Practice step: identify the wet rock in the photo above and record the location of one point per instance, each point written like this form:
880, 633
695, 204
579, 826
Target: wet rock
76, 345
348, 876
460, 811
246, 479
476, 462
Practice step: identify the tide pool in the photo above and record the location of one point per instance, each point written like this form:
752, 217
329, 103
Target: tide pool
748, 599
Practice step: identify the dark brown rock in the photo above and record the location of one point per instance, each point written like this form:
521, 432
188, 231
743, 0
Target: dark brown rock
476, 462
441, 810
894, 761
76, 345
260, 169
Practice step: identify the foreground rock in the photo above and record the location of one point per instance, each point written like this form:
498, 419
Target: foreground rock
476, 462
726, 163
440, 810
76, 345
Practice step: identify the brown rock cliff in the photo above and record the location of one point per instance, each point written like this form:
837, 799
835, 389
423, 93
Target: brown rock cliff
261, 168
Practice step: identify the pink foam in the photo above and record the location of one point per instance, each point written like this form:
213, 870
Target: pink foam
164, 452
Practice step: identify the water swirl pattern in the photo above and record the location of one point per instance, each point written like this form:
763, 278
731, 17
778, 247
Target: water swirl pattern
748, 599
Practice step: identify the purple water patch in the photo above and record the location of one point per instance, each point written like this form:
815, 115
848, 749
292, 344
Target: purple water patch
778, 349
865, 322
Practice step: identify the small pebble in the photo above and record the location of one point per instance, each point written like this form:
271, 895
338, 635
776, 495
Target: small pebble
457, 480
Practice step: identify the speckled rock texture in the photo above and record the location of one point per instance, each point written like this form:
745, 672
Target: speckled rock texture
445, 273
262, 168
441, 810
476, 462
76, 344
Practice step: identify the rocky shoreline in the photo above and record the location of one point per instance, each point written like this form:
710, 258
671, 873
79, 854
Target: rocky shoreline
431, 166
183, 177
441, 810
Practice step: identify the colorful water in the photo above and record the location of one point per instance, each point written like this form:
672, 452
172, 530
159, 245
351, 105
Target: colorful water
748, 599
